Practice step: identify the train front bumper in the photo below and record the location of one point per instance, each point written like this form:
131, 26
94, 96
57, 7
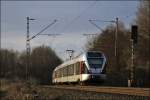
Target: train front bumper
97, 78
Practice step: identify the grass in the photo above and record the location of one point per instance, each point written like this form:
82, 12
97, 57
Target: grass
19, 90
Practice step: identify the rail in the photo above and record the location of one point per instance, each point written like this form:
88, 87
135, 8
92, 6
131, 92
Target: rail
115, 90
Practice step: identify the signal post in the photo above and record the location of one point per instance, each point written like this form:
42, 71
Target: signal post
134, 39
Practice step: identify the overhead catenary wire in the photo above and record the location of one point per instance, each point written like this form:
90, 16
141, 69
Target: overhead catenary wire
43, 30
50, 34
91, 21
94, 20
78, 16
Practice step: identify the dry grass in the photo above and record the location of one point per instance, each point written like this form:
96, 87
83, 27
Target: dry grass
22, 91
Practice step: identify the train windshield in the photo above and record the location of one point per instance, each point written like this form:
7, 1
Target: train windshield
95, 62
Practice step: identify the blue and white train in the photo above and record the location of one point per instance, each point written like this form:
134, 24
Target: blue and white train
88, 67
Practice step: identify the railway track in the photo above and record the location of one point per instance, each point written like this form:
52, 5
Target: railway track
110, 90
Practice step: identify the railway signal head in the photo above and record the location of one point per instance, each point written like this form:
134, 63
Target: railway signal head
134, 33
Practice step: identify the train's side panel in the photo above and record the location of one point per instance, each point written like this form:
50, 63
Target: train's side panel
74, 78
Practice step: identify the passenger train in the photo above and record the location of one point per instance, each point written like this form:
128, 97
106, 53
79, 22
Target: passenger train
88, 67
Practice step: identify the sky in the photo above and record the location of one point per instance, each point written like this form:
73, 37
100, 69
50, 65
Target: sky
72, 22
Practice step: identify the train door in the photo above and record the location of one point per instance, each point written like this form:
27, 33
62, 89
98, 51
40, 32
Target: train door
83, 69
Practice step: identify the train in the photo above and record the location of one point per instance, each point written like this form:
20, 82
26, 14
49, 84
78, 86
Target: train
89, 67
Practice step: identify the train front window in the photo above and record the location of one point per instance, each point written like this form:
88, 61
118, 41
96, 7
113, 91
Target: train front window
95, 62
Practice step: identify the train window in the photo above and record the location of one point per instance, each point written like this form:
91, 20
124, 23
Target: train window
94, 54
71, 69
74, 69
60, 72
95, 62
68, 68
77, 68
65, 71
56, 74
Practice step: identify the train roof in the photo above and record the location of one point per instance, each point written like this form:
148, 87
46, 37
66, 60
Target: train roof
68, 62
80, 57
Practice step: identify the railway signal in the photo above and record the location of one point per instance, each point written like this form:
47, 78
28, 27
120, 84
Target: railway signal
134, 33
134, 39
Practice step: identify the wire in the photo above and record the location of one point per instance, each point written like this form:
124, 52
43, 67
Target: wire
43, 30
78, 16
96, 25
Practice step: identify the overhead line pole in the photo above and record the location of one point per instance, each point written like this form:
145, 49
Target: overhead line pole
116, 34
116, 43
28, 43
28, 48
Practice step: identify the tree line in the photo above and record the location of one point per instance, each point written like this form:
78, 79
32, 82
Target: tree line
43, 60
118, 71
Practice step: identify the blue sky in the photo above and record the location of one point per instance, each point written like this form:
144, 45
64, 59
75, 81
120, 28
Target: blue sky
72, 21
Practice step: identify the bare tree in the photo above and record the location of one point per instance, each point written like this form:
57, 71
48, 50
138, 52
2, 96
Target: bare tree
143, 18
43, 62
